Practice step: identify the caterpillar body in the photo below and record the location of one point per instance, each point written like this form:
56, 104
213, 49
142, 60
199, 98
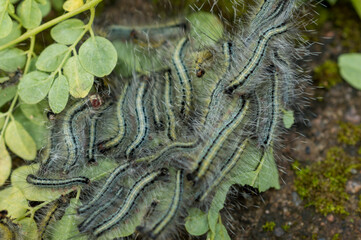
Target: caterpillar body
174, 134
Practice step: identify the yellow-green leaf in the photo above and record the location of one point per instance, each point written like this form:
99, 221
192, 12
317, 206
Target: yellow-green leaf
67, 32
19, 141
80, 81
15, 33
13, 200
28, 229
58, 94
51, 57
31, 192
5, 23
11, 59
71, 5
196, 222
5, 163
29, 13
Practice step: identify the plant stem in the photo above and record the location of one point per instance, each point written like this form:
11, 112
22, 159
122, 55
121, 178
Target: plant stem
33, 32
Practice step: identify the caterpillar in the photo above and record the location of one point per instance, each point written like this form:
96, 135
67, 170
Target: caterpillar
204, 102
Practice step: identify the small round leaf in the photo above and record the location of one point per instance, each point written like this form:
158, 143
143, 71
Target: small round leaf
68, 31
15, 33
5, 163
19, 141
58, 94
196, 222
29, 13
34, 86
14, 201
80, 81
5, 24
98, 56
6, 94
11, 59
350, 68
45, 7
51, 57
288, 118
71, 5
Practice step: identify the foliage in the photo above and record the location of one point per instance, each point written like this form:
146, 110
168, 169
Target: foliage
350, 68
322, 183
349, 133
269, 226
327, 75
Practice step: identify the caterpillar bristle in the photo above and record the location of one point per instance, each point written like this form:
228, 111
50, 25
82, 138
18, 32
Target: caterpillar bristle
193, 108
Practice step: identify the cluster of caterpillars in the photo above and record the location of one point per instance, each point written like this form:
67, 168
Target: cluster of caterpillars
177, 133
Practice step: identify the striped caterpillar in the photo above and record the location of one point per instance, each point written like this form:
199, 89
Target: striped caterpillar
177, 132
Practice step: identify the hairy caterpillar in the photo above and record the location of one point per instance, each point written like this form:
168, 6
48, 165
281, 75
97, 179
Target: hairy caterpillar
195, 120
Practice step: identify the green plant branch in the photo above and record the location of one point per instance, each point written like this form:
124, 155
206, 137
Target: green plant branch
15, 17
33, 32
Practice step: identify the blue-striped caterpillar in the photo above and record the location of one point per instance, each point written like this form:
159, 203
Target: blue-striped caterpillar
211, 121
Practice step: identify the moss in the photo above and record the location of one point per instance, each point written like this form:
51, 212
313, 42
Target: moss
327, 75
269, 226
349, 133
336, 237
286, 227
359, 151
322, 184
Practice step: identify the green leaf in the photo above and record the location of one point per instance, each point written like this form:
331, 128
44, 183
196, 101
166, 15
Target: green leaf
58, 94
2, 121
57, 4
67, 32
288, 118
6, 23
98, 56
29, 13
45, 7
266, 174
67, 228
31, 192
221, 232
14, 34
206, 28
80, 81
19, 141
35, 112
350, 68
7, 94
357, 5
196, 222
217, 205
34, 86
11, 59
5, 163
29, 229
51, 57
37, 132
12, 199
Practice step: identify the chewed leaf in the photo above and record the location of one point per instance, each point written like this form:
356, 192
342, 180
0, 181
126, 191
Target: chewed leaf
51, 57
15, 33
34, 86
31, 192
196, 222
221, 232
37, 132
29, 13
13, 200
11, 59
19, 141
6, 94
80, 81
217, 205
28, 228
206, 28
66, 227
98, 56
59, 94
266, 174
288, 118
350, 68
5, 23
68, 31
5, 163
